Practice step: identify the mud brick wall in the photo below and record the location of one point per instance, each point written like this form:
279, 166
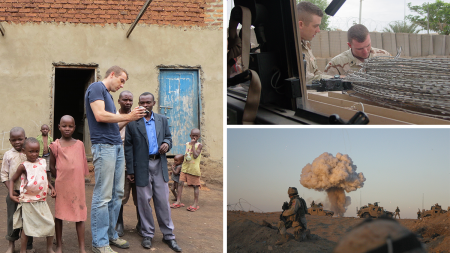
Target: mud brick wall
202, 13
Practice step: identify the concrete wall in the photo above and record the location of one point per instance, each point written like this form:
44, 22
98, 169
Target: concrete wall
29, 50
328, 44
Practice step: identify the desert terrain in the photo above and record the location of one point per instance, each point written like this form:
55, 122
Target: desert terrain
199, 231
245, 232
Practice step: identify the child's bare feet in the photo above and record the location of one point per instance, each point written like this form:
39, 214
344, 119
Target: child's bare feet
82, 251
10, 247
31, 251
58, 250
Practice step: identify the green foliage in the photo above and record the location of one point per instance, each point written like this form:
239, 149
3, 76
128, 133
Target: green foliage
322, 4
401, 27
439, 16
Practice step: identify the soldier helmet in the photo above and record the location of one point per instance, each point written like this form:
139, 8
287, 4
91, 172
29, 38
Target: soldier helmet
292, 191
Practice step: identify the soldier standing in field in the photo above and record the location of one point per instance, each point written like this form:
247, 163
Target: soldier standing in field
397, 212
360, 49
293, 215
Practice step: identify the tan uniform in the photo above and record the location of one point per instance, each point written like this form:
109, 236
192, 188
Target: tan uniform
397, 212
345, 63
312, 71
289, 214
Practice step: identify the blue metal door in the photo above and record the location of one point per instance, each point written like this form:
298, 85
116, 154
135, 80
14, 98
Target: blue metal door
179, 102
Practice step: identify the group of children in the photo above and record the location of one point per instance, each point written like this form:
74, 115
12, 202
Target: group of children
30, 159
25, 173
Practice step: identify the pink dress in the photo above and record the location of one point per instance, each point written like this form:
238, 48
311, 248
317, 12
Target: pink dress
34, 187
33, 214
71, 168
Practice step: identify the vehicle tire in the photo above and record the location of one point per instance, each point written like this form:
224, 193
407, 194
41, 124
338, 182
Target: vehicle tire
389, 215
366, 215
329, 214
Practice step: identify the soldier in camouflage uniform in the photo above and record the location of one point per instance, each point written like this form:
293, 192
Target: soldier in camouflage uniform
293, 215
397, 212
360, 49
310, 17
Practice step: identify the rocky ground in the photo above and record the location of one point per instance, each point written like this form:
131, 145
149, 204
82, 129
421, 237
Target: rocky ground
245, 232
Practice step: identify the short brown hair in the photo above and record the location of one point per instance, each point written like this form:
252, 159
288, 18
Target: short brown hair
305, 10
357, 32
117, 71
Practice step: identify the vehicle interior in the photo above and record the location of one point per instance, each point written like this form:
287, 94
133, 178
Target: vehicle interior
271, 89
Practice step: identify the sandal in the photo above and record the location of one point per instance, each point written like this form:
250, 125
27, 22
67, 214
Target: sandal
192, 209
176, 205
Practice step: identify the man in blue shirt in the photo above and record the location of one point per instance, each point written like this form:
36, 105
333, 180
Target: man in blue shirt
147, 141
108, 160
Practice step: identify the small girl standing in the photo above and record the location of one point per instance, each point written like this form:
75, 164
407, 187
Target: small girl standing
69, 165
33, 214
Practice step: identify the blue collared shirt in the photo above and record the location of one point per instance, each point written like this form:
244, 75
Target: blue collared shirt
151, 135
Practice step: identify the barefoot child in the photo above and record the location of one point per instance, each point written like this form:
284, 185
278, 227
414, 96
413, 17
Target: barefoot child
69, 165
33, 215
190, 171
176, 169
11, 160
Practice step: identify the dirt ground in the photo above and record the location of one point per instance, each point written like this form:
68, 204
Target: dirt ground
245, 233
199, 231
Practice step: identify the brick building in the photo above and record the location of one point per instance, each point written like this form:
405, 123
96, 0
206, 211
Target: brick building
51, 50
201, 13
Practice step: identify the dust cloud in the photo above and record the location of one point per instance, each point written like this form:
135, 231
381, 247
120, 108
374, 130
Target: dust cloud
335, 176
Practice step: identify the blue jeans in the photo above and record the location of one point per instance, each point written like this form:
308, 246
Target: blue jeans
109, 162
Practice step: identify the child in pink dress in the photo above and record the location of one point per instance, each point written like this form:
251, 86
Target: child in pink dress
33, 214
69, 165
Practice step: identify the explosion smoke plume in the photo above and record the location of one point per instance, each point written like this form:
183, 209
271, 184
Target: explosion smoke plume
333, 175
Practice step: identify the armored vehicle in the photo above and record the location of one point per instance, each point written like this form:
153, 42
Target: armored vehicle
373, 211
317, 209
436, 210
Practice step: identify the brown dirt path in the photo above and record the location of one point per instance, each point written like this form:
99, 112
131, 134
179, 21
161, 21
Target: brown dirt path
199, 231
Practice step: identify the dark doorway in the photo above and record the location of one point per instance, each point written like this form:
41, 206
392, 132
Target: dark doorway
70, 86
